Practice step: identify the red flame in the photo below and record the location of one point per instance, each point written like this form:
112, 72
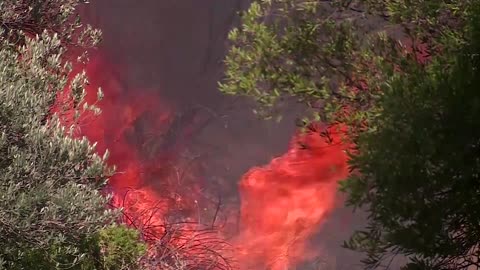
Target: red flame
134, 126
283, 203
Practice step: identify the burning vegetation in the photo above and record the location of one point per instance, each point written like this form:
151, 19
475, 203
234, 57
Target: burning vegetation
406, 108
163, 195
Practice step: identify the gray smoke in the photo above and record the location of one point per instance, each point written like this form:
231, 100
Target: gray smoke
177, 48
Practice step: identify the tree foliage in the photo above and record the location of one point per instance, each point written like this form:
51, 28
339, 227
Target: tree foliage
418, 172
120, 247
407, 91
52, 212
326, 53
54, 16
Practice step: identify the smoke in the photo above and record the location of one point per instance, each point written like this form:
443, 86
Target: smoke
183, 147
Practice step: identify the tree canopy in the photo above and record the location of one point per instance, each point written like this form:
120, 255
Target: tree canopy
52, 212
403, 76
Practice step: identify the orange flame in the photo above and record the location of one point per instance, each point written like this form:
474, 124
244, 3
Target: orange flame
283, 203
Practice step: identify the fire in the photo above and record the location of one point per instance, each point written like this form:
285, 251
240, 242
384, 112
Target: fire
282, 204
158, 190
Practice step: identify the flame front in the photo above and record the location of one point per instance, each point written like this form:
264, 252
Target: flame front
282, 204
285, 202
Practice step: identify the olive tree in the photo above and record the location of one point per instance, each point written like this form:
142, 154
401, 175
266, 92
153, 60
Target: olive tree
402, 76
53, 214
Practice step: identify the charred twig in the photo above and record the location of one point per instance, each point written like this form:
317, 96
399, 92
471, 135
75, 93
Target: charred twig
182, 244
